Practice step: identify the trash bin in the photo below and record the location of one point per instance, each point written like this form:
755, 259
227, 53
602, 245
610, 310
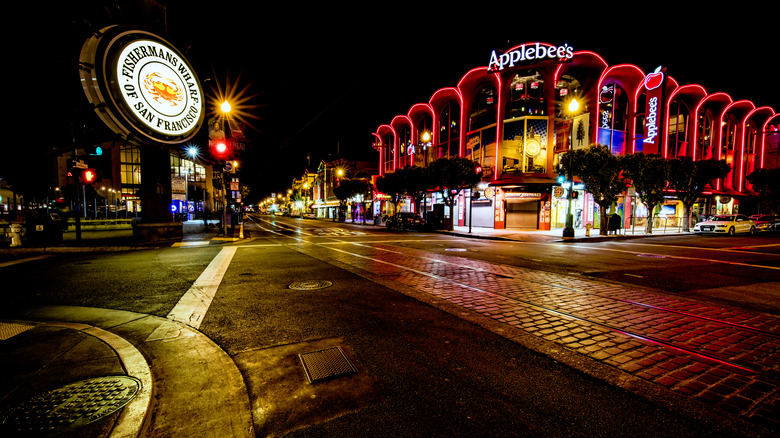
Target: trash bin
44, 229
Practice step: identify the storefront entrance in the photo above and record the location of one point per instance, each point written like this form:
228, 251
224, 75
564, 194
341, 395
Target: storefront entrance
522, 214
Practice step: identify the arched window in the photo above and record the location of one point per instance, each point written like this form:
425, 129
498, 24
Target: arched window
423, 152
678, 121
484, 108
387, 152
613, 116
482, 127
526, 95
449, 131
729, 133
704, 135
405, 147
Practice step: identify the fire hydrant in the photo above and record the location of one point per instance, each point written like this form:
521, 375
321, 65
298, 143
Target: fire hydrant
588, 226
16, 235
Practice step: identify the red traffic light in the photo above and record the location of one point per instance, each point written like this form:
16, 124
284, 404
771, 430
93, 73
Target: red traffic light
88, 176
220, 149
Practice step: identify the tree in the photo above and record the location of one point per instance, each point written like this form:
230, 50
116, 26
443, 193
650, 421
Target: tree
599, 170
451, 175
416, 182
649, 174
391, 184
688, 178
766, 182
350, 188
343, 192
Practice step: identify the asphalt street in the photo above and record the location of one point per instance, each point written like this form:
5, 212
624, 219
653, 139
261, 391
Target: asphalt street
436, 349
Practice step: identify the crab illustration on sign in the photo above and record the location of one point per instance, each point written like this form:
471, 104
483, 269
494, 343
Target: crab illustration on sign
165, 89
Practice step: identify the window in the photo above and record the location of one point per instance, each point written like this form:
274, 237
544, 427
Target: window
424, 149
613, 114
484, 108
677, 139
449, 132
526, 95
704, 136
130, 164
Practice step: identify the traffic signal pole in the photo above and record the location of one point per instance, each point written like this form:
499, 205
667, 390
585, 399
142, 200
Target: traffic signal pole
75, 186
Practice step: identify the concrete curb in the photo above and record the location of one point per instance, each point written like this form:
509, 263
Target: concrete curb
196, 388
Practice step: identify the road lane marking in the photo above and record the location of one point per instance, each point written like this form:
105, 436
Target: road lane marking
726, 262
28, 259
194, 304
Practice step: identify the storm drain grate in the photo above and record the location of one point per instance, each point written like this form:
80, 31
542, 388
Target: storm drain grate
9, 330
71, 406
325, 364
310, 285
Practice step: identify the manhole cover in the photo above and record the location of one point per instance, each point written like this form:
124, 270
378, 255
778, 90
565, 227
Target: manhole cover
310, 285
325, 364
71, 406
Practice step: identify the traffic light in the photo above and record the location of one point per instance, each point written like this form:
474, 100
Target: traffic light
220, 149
94, 150
574, 194
88, 176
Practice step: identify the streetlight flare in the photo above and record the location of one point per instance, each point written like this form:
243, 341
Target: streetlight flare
225, 107
574, 105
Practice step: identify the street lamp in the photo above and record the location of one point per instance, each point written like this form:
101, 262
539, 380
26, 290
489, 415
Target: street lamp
225, 108
568, 231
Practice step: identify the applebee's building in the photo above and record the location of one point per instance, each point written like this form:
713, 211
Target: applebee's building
514, 118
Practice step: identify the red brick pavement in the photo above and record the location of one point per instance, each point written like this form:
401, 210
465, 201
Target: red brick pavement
723, 356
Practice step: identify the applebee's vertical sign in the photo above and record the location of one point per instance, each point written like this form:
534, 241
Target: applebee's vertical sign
654, 84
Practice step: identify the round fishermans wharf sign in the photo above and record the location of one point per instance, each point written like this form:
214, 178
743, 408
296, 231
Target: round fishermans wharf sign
141, 85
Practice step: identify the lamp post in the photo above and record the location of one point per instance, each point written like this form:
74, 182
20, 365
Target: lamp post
568, 231
225, 108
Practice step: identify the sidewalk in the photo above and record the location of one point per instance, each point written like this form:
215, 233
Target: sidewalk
76, 371
556, 235
193, 232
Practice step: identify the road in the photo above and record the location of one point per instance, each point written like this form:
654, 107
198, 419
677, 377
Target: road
463, 337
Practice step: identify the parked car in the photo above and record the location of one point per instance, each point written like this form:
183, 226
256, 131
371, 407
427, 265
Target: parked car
766, 222
726, 224
404, 221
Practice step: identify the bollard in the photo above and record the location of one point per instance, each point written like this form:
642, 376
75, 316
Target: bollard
16, 235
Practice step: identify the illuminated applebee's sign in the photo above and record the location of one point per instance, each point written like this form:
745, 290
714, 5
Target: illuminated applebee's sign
159, 87
653, 84
530, 52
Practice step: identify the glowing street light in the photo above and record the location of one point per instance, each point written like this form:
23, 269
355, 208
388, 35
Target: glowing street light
568, 230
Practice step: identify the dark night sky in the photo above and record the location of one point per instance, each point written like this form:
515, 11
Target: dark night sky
326, 76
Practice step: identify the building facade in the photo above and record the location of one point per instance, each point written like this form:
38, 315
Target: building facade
514, 118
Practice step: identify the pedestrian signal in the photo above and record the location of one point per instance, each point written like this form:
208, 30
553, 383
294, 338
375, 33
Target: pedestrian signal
89, 176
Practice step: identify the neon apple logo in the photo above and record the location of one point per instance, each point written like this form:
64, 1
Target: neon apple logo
654, 79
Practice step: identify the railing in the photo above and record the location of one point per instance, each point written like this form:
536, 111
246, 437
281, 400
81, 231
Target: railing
673, 224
